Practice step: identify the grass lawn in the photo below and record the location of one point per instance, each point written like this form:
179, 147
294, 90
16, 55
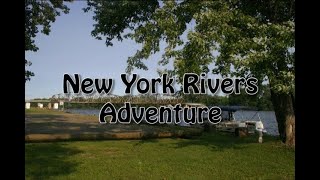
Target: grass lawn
210, 156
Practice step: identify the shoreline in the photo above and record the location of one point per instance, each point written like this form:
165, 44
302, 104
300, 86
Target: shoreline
49, 125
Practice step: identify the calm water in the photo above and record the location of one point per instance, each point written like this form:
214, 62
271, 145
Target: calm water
267, 117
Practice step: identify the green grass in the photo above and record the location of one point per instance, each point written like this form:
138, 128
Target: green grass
210, 156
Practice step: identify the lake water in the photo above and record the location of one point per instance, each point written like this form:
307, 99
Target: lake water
267, 117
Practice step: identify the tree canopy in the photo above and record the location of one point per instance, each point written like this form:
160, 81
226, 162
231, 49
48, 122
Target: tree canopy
39, 15
252, 38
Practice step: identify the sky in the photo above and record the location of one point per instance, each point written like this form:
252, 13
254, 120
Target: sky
71, 49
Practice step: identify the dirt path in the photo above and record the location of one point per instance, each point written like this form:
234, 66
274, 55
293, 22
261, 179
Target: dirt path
46, 125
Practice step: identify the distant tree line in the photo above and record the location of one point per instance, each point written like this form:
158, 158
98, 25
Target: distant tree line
261, 100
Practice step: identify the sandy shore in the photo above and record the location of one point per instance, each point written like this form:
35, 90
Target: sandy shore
50, 125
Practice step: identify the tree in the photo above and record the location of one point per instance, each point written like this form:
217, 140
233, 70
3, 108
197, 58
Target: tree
261, 100
264, 98
253, 38
39, 14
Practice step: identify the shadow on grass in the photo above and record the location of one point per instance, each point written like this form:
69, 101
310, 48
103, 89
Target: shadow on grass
220, 141
47, 160
215, 141
146, 141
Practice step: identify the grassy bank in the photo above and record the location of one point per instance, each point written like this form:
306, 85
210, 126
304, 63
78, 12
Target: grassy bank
210, 156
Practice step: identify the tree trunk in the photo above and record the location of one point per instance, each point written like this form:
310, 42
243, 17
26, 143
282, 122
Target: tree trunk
285, 114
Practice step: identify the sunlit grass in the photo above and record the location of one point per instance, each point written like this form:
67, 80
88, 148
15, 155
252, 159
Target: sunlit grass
210, 156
